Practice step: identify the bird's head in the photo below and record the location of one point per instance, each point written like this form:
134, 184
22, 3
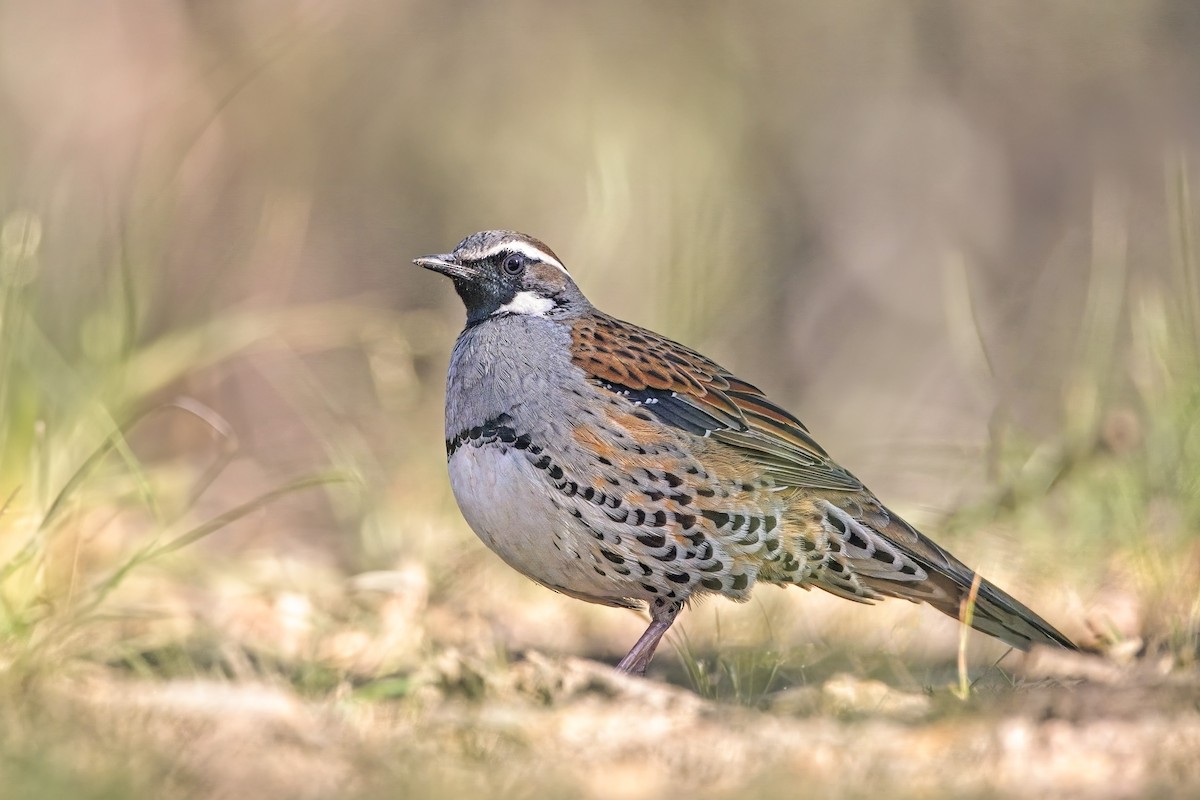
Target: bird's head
504, 273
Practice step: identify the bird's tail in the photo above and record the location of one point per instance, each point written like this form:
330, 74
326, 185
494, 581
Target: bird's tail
994, 611
889, 557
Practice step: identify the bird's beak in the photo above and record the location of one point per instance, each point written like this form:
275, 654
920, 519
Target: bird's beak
445, 264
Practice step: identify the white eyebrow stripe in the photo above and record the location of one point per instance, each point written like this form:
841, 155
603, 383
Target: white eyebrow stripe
525, 248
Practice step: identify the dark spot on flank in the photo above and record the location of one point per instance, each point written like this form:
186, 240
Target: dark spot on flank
712, 584
653, 540
739, 582
686, 521
678, 577
611, 556
718, 518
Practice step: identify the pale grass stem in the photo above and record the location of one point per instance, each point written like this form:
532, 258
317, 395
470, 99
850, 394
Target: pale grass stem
966, 613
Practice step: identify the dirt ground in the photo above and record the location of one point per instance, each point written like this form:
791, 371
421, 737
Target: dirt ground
540, 727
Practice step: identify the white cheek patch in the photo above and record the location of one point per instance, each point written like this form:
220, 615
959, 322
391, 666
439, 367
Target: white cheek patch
528, 303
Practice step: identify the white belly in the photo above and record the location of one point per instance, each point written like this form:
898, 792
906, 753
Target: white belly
507, 502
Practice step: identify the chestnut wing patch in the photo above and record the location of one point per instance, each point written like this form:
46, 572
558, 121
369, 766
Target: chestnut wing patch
688, 391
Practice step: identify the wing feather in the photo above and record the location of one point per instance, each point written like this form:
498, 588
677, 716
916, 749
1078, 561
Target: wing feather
693, 393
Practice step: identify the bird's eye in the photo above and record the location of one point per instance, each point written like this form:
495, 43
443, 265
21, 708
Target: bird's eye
513, 263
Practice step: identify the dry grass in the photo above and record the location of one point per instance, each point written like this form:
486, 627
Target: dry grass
539, 727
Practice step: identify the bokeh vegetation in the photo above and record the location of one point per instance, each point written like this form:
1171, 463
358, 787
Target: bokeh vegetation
959, 240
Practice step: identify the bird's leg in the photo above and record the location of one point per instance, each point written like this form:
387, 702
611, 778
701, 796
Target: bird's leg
662, 614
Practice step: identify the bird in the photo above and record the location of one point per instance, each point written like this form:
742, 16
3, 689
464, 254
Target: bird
614, 465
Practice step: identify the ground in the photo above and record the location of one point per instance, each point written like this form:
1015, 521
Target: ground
384, 688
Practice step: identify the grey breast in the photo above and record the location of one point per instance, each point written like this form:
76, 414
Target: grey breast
519, 366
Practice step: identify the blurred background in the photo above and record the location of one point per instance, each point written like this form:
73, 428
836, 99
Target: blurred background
958, 240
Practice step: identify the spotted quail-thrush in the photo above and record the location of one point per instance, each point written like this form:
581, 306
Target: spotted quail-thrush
614, 465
